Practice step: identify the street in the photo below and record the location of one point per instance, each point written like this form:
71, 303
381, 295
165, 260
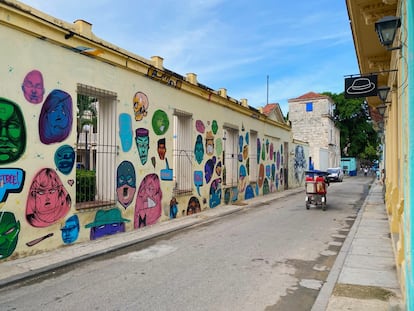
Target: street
272, 257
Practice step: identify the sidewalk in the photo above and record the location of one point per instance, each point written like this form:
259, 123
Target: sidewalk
363, 276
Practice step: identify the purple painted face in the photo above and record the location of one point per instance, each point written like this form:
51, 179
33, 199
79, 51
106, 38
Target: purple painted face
33, 89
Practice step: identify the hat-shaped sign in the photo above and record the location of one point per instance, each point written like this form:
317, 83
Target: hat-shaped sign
363, 86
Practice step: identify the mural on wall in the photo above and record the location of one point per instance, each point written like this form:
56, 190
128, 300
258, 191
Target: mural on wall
11, 181
55, 120
125, 131
148, 204
12, 132
65, 159
106, 222
215, 193
70, 231
259, 147
9, 233
125, 183
141, 105
161, 148
209, 169
173, 208
160, 122
33, 88
209, 143
299, 163
219, 147
214, 127
199, 149
193, 206
249, 193
142, 141
242, 178
198, 180
47, 201
200, 126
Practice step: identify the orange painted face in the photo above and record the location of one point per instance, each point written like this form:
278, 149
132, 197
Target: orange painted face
140, 106
261, 175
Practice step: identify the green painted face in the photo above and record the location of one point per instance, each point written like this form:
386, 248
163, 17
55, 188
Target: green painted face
9, 234
12, 132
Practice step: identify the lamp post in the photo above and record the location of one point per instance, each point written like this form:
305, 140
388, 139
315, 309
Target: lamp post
386, 28
86, 129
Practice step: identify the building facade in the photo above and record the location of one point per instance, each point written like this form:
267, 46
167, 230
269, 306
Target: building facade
159, 145
394, 67
311, 117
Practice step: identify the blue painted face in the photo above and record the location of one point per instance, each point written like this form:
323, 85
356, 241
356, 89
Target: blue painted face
199, 149
65, 159
70, 231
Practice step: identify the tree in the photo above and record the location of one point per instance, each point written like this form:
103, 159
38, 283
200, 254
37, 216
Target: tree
86, 106
358, 137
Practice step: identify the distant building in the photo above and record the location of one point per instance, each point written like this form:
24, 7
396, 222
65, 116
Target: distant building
311, 117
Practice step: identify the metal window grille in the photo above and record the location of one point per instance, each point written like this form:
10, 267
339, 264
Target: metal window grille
95, 176
182, 154
230, 157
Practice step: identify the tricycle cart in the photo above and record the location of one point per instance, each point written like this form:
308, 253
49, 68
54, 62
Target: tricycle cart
316, 185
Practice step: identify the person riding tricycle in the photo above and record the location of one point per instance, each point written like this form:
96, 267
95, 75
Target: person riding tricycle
316, 185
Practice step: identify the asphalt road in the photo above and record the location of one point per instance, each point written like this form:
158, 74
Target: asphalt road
271, 257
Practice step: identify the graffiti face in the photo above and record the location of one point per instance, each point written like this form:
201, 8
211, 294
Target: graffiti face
70, 231
9, 234
141, 104
209, 169
214, 127
125, 183
173, 208
107, 222
142, 142
161, 149
48, 200
300, 163
160, 122
193, 206
55, 121
242, 178
148, 204
215, 193
125, 131
12, 132
199, 149
209, 143
65, 159
32, 87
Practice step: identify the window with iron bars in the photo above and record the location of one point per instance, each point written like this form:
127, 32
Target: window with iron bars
96, 148
182, 153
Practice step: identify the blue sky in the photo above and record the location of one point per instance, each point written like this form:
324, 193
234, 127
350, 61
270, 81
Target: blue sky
300, 45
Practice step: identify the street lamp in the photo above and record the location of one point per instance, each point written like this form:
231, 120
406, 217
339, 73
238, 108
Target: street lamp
86, 129
386, 28
381, 109
383, 92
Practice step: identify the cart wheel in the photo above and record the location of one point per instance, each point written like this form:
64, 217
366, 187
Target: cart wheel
324, 206
307, 206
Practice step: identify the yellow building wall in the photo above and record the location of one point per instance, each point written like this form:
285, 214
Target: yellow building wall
64, 65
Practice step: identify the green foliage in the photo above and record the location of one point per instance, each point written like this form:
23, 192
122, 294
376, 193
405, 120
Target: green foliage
85, 185
358, 137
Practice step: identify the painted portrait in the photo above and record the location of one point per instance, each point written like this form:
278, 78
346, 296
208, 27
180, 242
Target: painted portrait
125, 183
47, 201
9, 234
12, 132
106, 222
141, 104
55, 121
70, 231
33, 87
65, 159
148, 204
142, 142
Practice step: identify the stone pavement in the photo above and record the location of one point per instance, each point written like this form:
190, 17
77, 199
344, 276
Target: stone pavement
363, 276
